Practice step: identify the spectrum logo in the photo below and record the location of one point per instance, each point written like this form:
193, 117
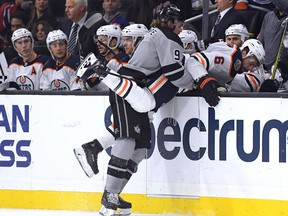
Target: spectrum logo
179, 137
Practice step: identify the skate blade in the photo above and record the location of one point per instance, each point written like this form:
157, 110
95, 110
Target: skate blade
122, 212
81, 157
106, 212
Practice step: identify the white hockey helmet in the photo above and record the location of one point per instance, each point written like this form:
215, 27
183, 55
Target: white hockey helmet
21, 33
56, 35
238, 29
187, 37
111, 31
255, 48
135, 31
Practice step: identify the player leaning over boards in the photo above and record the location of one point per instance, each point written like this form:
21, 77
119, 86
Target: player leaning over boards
163, 48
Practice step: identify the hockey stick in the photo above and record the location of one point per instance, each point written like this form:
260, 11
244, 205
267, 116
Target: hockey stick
279, 50
4, 86
85, 69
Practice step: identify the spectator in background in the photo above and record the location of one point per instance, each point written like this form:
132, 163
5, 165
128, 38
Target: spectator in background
40, 31
226, 17
271, 32
41, 11
26, 68
7, 9
143, 11
84, 25
57, 8
112, 13
244, 4
18, 20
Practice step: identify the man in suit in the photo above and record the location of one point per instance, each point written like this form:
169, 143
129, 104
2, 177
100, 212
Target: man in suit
87, 24
226, 17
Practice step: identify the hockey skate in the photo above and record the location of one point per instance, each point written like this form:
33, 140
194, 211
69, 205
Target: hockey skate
124, 208
87, 157
110, 203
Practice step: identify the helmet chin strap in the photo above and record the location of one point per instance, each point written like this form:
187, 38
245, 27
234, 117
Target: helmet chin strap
109, 50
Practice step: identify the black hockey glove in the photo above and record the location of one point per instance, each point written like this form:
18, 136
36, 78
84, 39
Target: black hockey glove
89, 66
208, 88
9, 85
100, 69
269, 85
283, 68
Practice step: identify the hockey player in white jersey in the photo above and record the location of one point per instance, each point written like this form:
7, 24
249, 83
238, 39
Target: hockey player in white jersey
253, 58
59, 73
25, 69
250, 80
188, 38
132, 36
230, 65
236, 34
221, 61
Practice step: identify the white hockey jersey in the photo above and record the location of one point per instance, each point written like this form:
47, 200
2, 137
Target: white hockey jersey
60, 77
221, 61
248, 81
26, 74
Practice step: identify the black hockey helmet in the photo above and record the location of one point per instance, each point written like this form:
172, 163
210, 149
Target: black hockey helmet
168, 12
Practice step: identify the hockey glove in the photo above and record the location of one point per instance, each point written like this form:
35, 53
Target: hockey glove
208, 88
100, 69
9, 85
89, 66
269, 85
283, 67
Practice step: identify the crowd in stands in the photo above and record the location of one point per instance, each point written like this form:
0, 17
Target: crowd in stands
79, 20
